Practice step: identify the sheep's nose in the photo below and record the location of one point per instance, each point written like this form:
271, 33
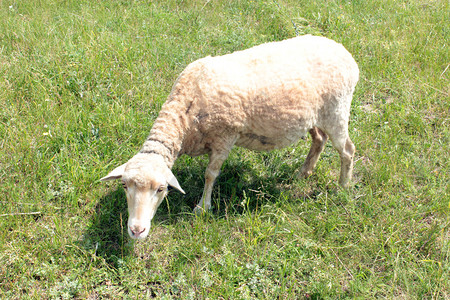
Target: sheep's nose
136, 231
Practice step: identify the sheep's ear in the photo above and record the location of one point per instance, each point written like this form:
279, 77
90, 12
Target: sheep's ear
115, 174
173, 182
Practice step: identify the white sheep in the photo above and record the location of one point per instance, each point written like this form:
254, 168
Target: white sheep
263, 98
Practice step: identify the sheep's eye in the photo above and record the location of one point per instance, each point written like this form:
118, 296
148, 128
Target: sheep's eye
124, 185
161, 189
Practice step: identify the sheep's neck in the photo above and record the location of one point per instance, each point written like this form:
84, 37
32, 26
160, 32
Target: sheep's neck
166, 136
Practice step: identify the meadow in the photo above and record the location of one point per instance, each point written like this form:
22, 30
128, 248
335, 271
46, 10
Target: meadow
81, 83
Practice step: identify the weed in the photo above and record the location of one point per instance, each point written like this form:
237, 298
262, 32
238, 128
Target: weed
81, 84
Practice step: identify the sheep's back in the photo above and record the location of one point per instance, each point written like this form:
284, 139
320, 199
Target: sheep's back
268, 95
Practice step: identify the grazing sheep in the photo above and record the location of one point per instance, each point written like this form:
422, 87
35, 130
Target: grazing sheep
263, 98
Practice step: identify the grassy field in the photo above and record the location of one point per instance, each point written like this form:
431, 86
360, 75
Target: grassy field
81, 83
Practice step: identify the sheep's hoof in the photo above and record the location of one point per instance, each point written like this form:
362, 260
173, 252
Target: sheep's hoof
344, 184
199, 211
304, 174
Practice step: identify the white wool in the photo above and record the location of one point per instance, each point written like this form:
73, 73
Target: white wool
262, 98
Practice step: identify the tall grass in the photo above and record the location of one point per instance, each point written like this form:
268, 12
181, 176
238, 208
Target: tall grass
81, 83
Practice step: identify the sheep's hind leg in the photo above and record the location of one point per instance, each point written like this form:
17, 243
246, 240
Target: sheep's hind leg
319, 139
346, 163
346, 151
216, 159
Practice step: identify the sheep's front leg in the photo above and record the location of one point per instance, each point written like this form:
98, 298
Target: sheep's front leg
211, 173
216, 159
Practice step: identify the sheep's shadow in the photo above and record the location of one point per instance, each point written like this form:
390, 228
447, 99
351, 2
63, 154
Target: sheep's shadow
243, 184
239, 180
107, 234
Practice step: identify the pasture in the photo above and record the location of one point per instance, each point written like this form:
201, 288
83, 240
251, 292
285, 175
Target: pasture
81, 83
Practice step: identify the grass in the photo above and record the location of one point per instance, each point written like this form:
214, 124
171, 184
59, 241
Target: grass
82, 82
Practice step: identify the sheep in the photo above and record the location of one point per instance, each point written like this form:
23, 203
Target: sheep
262, 98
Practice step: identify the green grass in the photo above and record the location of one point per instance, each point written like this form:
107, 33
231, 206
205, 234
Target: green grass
81, 83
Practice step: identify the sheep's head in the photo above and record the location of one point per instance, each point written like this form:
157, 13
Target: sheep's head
145, 178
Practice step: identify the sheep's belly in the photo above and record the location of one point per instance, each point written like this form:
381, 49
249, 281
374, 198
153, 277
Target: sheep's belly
266, 142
